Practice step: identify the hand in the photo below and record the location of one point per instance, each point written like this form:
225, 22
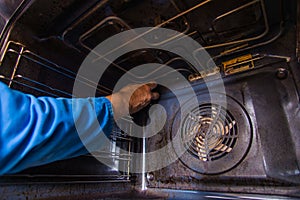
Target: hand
132, 98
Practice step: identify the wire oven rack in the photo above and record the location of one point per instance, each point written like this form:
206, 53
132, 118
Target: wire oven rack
23, 70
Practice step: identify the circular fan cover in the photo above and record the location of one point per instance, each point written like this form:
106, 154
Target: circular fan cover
214, 137
214, 130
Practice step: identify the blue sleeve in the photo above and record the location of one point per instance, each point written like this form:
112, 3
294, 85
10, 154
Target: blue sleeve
36, 131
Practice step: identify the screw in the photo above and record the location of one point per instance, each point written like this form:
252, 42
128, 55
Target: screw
150, 176
281, 73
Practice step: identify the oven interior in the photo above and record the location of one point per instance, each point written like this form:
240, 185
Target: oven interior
254, 44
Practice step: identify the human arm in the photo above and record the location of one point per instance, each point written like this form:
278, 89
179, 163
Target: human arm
36, 131
132, 98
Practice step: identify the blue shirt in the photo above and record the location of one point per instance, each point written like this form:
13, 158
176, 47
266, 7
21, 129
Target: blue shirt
36, 131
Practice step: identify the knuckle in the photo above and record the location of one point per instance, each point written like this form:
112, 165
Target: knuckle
148, 97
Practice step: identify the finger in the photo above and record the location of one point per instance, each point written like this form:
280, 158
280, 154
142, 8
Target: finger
154, 95
152, 85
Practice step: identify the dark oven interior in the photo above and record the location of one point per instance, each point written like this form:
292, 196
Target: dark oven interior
254, 46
